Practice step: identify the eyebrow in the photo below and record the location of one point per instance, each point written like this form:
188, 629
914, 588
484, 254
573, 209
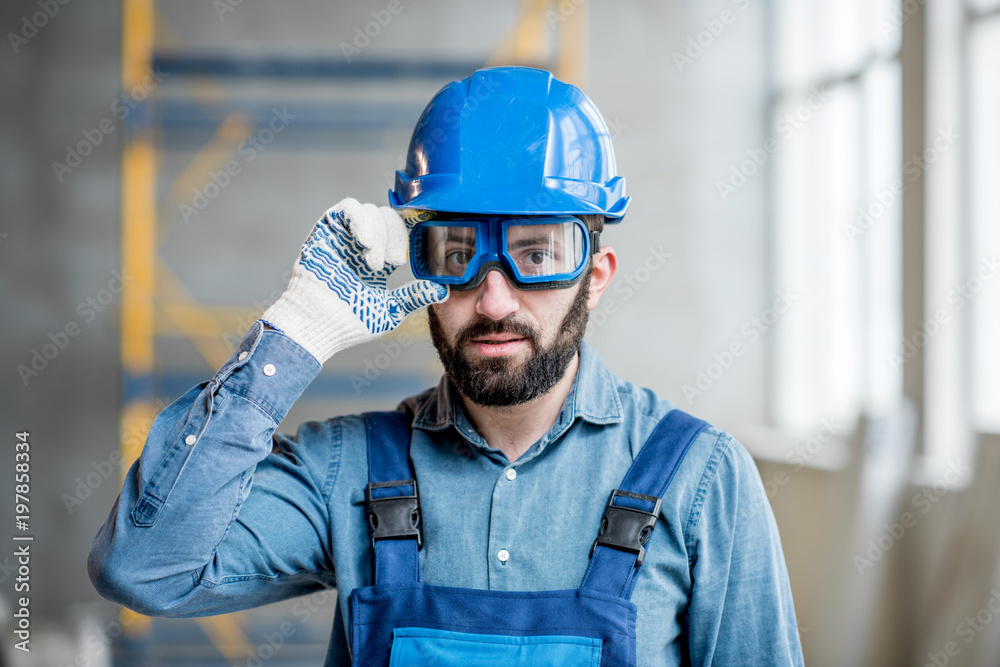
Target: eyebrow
523, 243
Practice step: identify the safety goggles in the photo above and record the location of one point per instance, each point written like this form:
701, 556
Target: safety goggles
534, 253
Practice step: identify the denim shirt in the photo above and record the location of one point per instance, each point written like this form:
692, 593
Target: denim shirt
219, 514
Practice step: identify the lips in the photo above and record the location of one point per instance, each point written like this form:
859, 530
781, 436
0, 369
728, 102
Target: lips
502, 338
498, 345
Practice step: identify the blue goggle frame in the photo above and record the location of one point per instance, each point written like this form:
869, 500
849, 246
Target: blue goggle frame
491, 253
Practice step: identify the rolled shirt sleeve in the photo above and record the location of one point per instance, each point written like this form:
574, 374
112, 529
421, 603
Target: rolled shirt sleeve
186, 537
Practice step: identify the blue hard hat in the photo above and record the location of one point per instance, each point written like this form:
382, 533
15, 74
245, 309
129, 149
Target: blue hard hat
511, 141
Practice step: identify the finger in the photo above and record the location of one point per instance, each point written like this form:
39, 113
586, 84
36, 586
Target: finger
397, 237
369, 230
418, 294
343, 212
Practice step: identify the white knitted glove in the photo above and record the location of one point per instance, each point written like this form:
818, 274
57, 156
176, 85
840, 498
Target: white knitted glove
337, 296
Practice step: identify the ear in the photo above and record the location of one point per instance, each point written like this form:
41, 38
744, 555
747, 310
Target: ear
605, 264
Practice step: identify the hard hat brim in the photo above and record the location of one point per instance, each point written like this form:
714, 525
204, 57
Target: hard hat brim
444, 194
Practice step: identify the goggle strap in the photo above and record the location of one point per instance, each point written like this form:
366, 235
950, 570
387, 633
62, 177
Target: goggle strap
595, 242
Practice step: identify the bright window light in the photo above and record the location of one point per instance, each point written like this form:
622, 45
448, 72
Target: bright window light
984, 97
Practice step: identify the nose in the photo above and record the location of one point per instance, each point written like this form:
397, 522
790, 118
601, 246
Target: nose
497, 298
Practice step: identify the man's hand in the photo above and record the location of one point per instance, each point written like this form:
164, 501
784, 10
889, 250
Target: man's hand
337, 296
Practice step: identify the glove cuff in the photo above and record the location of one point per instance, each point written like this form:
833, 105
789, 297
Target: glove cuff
314, 317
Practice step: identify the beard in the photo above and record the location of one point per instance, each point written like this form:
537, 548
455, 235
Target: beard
499, 381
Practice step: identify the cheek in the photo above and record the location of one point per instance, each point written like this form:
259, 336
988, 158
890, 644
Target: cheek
455, 312
550, 313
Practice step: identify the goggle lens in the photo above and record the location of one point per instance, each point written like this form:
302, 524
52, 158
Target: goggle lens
548, 249
535, 253
447, 251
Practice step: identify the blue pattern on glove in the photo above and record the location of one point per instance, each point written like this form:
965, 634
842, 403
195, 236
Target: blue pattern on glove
335, 257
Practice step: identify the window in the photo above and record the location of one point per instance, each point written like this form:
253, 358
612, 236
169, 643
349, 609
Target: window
984, 210
841, 169
836, 213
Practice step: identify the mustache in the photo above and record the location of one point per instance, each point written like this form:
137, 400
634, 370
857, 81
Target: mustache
484, 326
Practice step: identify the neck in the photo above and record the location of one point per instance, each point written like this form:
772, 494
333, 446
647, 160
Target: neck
514, 428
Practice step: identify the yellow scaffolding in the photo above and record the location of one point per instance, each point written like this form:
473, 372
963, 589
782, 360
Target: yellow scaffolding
139, 260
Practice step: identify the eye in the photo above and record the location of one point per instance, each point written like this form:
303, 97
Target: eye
458, 257
536, 257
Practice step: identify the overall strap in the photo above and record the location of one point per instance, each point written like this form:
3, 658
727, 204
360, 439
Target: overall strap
632, 510
392, 501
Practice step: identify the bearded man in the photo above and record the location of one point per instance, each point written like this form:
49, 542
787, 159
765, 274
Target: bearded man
532, 508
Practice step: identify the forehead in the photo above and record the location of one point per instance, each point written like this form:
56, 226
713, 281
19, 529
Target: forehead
548, 234
520, 226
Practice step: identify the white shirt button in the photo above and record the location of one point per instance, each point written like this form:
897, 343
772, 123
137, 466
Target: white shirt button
190, 440
503, 555
243, 355
511, 474
270, 370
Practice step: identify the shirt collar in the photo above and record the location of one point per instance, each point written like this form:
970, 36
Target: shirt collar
593, 398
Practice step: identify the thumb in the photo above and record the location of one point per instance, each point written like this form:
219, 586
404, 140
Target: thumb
417, 294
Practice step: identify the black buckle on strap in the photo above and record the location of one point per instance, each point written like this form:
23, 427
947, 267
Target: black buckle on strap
394, 517
627, 529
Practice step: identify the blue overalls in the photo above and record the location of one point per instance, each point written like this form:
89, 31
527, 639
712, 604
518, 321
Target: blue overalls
400, 621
